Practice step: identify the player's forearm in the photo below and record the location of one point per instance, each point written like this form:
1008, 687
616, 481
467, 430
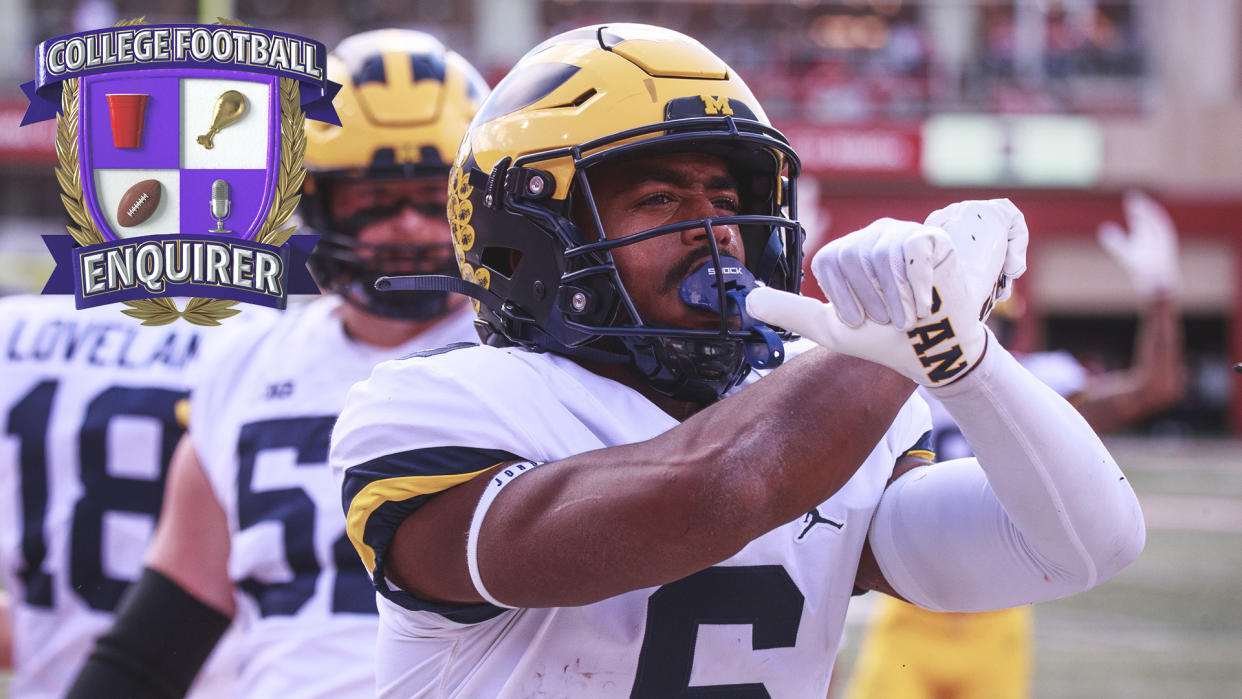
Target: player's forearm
1056, 512
801, 432
1154, 382
191, 543
645, 514
159, 640
1160, 332
6, 632
1160, 353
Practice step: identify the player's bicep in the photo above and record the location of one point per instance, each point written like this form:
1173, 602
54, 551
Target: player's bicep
870, 576
598, 524
428, 555
407, 515
191, 541
564, 533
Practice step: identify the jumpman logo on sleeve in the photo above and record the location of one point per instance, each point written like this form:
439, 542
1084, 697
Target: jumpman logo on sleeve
813, 518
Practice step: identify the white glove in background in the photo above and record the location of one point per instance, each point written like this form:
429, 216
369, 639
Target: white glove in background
880, 282
1148, 253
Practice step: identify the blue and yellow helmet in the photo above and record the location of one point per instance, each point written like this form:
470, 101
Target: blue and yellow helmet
597, 95
405, 103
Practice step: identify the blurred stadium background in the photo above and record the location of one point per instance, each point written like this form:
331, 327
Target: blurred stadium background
897, 108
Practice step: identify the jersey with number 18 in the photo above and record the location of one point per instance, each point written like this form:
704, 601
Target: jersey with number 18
89, 404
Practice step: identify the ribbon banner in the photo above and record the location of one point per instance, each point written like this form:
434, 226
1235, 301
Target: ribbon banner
178, 265
181, 46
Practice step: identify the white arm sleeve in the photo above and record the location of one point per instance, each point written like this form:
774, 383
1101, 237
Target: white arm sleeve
1044, 512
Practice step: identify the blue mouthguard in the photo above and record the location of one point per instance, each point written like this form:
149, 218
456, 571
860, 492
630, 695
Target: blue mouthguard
764, 349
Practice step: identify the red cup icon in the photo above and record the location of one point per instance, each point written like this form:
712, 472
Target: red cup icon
128, 114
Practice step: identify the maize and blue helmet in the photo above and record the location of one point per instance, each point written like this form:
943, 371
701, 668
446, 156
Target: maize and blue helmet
600, 95
404, 104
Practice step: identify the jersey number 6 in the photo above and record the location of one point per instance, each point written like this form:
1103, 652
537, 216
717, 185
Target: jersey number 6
765, 597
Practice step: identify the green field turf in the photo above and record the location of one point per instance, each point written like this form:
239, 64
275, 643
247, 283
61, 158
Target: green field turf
1171, 624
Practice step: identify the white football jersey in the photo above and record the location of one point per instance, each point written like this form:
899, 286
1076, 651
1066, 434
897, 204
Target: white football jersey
261, 418
1058, 370
87, 411
767, 619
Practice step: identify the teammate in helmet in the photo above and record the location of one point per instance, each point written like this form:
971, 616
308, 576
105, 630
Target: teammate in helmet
404, 104
606, 499
252, 528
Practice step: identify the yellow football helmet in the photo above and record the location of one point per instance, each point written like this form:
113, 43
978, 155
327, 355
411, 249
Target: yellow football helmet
404, 104
595, 95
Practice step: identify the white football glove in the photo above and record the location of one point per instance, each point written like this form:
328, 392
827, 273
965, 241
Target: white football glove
1149, 253
989, 261
900, 295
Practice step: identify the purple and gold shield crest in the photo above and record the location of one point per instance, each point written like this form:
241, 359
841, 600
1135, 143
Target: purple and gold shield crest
190, 154
180, 163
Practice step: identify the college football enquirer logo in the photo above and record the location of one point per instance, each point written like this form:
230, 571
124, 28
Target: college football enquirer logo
180, 150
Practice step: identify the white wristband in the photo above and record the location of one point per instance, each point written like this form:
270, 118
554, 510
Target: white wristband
500, 479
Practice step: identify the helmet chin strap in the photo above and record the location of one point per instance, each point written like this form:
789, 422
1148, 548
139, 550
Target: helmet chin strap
446, 284
356, 284
439, 282
697, 371
421, 308
702, 370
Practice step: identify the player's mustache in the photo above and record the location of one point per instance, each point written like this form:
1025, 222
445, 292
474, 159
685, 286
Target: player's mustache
679, 271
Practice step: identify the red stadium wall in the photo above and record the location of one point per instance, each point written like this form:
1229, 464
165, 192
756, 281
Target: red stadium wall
850, 206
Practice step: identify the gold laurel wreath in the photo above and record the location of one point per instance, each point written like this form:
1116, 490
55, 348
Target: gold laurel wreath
85, 232
199, 311
292, 152
289, 182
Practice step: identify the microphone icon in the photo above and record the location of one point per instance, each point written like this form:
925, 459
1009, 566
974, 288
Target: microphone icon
220, 206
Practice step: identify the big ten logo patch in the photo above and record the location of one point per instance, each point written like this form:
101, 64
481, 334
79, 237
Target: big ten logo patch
280, 389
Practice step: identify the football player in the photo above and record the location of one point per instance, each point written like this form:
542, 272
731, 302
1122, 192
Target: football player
252, 527
605, 500
89, 418
911, 653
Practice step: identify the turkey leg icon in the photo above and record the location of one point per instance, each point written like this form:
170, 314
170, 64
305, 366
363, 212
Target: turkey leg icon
230, 107
220, 206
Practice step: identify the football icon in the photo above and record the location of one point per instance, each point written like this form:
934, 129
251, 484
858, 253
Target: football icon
139, 203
